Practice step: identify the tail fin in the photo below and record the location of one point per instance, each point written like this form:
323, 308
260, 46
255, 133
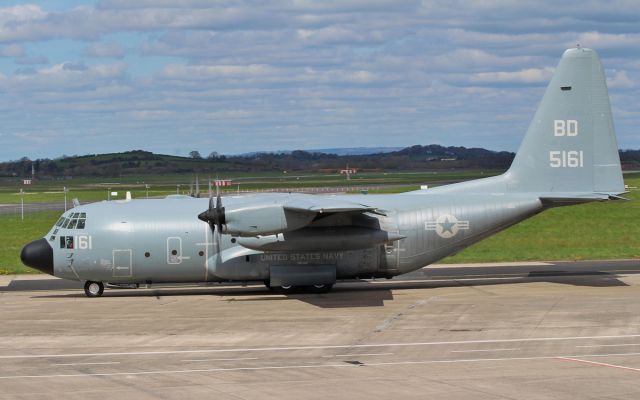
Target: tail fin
570, 147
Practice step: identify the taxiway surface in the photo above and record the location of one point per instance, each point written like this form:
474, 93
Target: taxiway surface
503, 331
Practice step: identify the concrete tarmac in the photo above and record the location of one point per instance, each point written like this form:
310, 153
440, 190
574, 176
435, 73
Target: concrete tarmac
496, 331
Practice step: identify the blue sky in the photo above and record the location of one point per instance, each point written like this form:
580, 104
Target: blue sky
80, 77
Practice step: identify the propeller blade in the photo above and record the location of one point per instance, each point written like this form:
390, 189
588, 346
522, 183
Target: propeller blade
214, 215
219, 213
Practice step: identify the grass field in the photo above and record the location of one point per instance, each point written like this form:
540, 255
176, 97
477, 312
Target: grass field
608, 230
52, 191
16, 233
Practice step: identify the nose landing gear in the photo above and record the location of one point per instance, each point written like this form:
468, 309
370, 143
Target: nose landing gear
93, 289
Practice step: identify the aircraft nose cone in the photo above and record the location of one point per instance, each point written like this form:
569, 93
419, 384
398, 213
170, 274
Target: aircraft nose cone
39, 255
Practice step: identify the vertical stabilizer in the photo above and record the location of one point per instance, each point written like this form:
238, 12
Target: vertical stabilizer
570, 146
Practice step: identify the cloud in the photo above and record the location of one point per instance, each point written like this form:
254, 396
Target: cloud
527, 76
338, 34
601, 41
105, 50
291, 74
32, 60
12, 50
64, 78
620, 80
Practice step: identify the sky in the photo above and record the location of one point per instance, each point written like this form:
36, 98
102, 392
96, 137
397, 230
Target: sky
84, 77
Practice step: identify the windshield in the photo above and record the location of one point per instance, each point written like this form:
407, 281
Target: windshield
72, 221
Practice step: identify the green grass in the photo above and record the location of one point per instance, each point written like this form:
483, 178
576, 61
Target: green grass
85, 190
609, 230
16, 233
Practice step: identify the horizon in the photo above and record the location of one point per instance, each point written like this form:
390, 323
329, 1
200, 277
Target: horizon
249, 154
389, 149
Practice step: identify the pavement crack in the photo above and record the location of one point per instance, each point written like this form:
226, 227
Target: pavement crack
390, 321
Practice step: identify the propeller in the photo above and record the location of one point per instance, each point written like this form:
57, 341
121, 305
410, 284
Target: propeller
214, 215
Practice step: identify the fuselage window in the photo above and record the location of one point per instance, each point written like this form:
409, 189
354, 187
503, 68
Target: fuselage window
66, 242
66, 223
81, 223
60, 221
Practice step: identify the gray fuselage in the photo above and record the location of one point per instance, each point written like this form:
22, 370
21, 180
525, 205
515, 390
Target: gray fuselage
144, 241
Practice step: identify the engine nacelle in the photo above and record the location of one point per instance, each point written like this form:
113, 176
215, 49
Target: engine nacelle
263, 219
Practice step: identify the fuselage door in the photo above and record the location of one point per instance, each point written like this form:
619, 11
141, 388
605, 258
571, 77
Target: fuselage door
122, 263
174, 250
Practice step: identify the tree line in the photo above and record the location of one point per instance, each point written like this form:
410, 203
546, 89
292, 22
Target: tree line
138, 162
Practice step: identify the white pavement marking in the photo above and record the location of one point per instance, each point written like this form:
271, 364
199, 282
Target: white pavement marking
612, 345
599, 363
345, 365
397, 282
221, 359
90, 363
499, 264
474, 351
325, 347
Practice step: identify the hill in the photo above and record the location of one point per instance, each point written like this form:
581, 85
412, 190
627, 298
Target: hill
139, 162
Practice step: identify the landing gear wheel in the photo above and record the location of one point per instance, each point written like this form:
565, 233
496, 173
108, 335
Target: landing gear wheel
286, 289
320, 288
93, 289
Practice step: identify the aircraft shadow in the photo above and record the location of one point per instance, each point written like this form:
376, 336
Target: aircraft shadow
40, 284
346, 294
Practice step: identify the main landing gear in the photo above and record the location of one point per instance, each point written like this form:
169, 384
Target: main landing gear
93, 289
289, 289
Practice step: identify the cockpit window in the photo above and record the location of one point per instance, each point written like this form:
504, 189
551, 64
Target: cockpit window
74, 221
73, 224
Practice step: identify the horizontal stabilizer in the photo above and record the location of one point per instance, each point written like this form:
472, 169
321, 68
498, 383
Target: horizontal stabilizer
558, 199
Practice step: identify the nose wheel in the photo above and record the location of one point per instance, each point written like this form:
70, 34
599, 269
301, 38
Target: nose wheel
93, 289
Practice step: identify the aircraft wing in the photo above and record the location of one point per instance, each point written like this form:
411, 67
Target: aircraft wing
320, 205
275, 214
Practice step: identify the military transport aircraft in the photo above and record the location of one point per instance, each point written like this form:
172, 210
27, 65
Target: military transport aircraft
290, 241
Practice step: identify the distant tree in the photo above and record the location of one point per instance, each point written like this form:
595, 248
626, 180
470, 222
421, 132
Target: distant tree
213, 155
195, 154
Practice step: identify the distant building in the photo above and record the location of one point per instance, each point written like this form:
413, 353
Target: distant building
349, 171
223, 182
26, 181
